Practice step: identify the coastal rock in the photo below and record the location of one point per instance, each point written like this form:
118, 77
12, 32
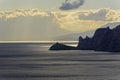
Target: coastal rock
104, 39
59, 46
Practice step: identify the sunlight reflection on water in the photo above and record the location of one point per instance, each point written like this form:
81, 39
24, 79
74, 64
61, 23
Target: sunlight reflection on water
35, 62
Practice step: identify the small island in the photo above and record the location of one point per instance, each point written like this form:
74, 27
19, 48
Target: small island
104, 39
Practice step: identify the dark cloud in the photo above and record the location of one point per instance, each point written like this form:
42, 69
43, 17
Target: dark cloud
71, 5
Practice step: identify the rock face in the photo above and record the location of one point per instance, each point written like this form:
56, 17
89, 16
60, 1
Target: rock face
104, 39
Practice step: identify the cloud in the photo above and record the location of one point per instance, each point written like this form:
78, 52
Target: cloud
71, 5
28, 25
21, 12
104, 14
98, 15
74, 21
85, 20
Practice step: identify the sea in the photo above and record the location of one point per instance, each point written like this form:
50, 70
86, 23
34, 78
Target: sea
34, 61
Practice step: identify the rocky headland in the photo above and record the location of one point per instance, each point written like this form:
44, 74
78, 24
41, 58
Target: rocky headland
104, 39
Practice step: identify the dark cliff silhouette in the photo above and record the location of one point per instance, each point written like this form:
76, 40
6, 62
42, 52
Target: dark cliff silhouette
104, 39
59, 46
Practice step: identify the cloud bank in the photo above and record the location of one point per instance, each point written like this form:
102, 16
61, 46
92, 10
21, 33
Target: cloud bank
74, 19
71, 5
85, 20
22, 12
33, 23
28, 25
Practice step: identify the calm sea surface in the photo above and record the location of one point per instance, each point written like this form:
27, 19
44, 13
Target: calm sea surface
30, 61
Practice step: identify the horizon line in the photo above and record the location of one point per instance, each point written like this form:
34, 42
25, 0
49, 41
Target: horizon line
38, 41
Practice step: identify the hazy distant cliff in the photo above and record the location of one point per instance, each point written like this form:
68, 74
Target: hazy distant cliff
104, 39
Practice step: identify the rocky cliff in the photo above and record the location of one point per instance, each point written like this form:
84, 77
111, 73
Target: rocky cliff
104, 39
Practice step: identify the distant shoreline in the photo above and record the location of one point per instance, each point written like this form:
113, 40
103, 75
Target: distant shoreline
69, 42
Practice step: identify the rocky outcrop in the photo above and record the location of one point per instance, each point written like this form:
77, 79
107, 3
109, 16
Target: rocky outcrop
104, 39
59, 46
99, 41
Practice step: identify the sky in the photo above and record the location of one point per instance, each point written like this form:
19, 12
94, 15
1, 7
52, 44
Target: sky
45, 20
54, 4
